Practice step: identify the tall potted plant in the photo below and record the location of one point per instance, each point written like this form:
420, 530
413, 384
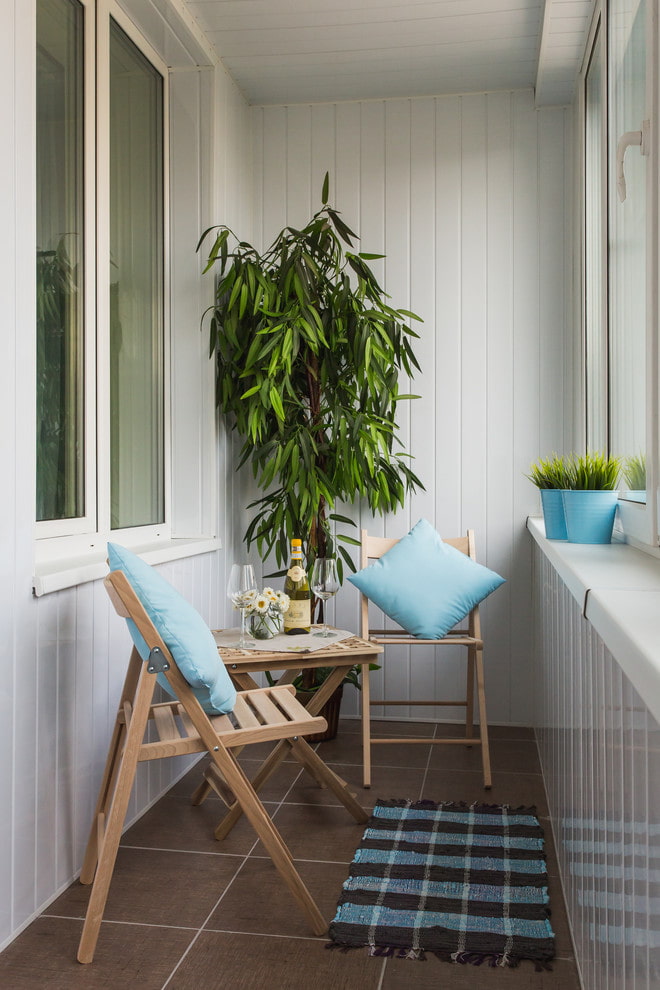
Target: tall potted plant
308, 353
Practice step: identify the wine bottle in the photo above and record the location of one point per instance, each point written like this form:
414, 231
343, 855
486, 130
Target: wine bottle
298, 617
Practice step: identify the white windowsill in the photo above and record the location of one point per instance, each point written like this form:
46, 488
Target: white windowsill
67, 572
618, 589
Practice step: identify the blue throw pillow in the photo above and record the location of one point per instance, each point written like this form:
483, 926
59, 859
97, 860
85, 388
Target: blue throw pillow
182, 629
424, 584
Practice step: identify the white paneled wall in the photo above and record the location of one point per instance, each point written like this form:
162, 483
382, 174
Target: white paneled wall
63, 656
466, 197
600, 751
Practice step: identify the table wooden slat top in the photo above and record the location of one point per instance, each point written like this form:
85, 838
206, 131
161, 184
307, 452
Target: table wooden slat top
346, 651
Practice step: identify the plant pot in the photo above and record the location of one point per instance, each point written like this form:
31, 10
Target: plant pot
330, 713
553, 513
590, 515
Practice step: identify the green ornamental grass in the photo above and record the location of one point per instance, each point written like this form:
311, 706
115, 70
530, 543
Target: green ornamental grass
593, 471
581, 472
549, 472
634, 473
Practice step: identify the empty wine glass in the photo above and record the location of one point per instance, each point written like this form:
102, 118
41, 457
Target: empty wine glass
325, 584
241, 588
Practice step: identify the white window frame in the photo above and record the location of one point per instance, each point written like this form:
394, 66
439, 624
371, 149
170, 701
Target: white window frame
638, 521
93, 529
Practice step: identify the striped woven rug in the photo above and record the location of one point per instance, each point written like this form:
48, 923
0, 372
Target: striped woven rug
465, 882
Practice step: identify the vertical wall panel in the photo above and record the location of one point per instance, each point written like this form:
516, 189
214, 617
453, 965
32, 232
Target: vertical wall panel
447, 317
500, 351
465, 196
527, 127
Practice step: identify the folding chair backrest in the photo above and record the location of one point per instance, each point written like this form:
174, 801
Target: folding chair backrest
374, 547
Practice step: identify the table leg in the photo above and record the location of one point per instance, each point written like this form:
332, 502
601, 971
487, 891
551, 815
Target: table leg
272, 762
366, 726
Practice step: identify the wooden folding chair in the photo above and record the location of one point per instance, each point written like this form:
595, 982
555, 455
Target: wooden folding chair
374, 547
183, 727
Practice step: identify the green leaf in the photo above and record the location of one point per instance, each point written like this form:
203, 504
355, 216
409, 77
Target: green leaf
326, 189
276, 402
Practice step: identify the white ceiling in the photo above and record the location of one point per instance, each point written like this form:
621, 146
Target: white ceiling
308, 51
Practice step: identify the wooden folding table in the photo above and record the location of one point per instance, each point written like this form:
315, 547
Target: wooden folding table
242, 665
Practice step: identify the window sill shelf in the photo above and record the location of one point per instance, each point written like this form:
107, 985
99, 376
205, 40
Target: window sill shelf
67, 572
618, 589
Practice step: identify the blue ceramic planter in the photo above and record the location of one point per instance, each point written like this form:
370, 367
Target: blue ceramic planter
553, 513
589, 515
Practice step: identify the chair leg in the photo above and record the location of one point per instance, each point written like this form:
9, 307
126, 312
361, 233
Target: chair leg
108, 847
110, 771
320, 771
265, 771
366, 726
469, 710
483, 720
103, 803
271, 838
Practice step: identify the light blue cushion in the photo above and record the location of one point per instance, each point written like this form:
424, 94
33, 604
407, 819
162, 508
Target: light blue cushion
182, 629
424, 584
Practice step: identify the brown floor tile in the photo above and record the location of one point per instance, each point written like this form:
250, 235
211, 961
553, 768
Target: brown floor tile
346, 749
173, 823
510, 732
157, 888
273, 790
434, 973
43, 957
559, 920
385, 782
252, 962
388, 727
258, 901
323, 833
508, 788
507, 755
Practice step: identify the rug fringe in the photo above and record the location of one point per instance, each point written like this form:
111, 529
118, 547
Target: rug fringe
521, 809
493, 959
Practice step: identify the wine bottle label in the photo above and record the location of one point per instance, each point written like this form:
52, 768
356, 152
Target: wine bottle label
296, 573
298, 614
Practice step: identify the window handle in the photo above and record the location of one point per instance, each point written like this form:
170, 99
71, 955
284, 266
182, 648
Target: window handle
637, 138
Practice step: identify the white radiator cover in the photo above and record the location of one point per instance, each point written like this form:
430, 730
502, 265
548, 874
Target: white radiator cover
600, 753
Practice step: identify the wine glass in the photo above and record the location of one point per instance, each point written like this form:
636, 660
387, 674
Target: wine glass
325, 584
240, 589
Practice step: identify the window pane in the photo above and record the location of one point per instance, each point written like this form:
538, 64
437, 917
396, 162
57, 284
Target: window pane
628, 235
596, 331
60, 432
136, 286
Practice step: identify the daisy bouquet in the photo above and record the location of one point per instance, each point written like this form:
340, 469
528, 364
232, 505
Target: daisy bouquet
265, 610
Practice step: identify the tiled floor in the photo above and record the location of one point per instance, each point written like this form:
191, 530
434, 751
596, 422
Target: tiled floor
186, 912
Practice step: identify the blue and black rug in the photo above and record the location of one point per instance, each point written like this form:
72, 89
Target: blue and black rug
467, 883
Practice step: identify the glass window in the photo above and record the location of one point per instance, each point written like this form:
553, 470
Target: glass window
60, 251
595, 259
136, 286
100, 325
628, 239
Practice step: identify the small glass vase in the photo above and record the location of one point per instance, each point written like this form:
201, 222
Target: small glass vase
265, 626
